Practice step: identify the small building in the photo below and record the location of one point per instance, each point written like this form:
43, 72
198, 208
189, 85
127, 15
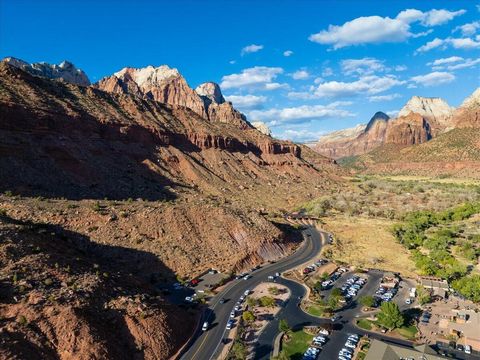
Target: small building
390, 279
438, 286
381, 350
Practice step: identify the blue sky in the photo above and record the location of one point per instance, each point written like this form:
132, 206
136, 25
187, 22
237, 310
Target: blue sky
303, 67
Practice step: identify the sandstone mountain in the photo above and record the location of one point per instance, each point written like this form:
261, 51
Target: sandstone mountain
65, 141
418, 121
64, 71
454, 153
173, 188
168, 86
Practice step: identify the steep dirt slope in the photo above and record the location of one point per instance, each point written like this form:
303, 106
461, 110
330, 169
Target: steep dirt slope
65, 297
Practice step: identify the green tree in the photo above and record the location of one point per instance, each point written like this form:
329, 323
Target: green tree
336, 292
251, 302
248, 316
333, 302
239, 351
273, 290
367, 301
390, 316
267, 301
283, 326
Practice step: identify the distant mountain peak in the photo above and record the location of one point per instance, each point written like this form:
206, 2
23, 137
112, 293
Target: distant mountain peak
378, 116
211, 91
65, 71
149, 75
434, 108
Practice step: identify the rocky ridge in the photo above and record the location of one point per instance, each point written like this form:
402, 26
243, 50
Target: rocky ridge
168, 86
418, 121
64, 71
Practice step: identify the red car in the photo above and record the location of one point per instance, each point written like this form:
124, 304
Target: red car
194, 282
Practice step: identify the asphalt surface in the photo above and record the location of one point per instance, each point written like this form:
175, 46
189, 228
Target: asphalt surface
207, 344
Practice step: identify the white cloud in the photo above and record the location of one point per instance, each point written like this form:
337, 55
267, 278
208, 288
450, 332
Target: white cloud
365, 66
288, 53
258, 76
400, 68
300, 135
443, 61
363, 30
438, 17
468, 29
232, 62
433, 79
371, 84
379, 98
275, 86
251, 49
456, 43
247, 101
300, 75
463, 65
303, 112
377, 29
430, 18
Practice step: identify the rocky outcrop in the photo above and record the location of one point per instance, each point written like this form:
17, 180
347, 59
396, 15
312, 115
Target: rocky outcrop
419, 120
467, 115
262, 127
435, 110
64, 71
407, 130
167, 85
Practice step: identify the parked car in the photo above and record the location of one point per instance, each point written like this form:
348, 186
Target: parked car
468, 349
229, 324
324, 332
246, 277
232, 314
205, 326
247, 292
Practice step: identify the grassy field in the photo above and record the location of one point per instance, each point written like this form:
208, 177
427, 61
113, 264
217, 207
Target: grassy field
428, 179
364, 324
297, 345
368, 243
315, 310
408, 332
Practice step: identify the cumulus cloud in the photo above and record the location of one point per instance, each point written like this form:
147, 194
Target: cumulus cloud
301, 135
288, 53
370, 85
365, 66
468, 29
302, 113
363, 30
443, 61
433, 79
389, 97
457, 64
300, 75
456, 43
251, 49
258, 76
377, 29
365, 85
247, 101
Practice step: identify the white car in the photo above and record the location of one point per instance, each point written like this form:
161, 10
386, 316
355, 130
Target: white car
205, 326
188, 299
350, 345
232, 314
468, 349
246, 277
229, 324
324, 332
246, 292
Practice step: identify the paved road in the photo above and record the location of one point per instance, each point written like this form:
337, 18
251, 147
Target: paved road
206, 344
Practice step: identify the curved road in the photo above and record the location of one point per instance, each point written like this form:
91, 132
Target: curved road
206, 344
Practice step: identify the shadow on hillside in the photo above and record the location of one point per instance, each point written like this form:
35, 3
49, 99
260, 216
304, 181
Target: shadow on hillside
80, 158
48, 250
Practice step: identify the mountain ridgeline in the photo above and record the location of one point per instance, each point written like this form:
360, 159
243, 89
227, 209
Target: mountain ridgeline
418, 122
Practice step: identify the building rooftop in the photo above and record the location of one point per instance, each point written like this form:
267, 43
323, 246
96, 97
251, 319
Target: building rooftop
380, 350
